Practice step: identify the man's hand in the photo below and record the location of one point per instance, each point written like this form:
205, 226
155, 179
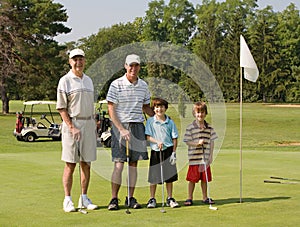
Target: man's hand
75, 133
125, 134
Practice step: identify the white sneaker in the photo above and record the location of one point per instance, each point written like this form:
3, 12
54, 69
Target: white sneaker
171, 202
87, 203
68, 206
151, 203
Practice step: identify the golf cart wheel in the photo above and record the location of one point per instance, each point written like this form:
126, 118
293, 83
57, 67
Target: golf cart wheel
30, 137
19, 138
56, 138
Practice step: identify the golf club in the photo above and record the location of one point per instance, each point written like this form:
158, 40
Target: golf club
128, 181
206, 176
79, 167
282, 178
162, 182
279, 182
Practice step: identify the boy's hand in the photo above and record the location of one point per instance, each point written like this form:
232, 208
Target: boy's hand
173, 158
160, 145
200, 142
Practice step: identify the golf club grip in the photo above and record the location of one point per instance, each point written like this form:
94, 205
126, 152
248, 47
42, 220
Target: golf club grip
283, 178
272, 181
279, 178
127, 148
78, 148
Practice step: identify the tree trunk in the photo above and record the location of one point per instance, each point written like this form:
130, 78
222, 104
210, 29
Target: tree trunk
5, 101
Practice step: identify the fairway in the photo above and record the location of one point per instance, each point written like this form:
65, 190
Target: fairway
31, 190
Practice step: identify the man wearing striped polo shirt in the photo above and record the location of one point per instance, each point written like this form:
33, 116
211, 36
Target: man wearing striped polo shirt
128, 97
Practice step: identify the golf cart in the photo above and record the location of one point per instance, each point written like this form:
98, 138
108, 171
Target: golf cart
28, 129
103, 125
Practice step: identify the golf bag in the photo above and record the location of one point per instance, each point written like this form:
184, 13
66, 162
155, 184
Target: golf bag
19, 122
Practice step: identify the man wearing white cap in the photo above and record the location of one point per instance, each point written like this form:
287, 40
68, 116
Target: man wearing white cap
75, 103
128, 97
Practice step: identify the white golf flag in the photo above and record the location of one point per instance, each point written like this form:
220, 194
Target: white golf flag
247, 62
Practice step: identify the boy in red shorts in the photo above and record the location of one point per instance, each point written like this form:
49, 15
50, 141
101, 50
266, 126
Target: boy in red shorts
199, 136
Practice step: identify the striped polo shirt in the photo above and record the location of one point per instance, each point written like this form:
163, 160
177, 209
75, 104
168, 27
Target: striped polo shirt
193, 133
129, 99
76, 95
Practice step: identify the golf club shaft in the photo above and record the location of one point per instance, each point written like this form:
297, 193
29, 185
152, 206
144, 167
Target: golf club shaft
207, 182
206, 175
162, 180
282, 178
79, 167
279, 182
128, 179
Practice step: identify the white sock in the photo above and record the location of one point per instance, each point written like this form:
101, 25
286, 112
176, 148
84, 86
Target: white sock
68, 198
84, 196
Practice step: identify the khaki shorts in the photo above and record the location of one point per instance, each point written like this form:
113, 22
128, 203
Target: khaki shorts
87, 144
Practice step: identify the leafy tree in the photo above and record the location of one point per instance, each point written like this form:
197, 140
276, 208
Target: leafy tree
9, 56
181, 106
153, 28
106, 40
262, 39
35, 24
179, 21
288, 31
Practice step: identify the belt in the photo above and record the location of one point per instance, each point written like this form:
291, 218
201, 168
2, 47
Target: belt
82, 118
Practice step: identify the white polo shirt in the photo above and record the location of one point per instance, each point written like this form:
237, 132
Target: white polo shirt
76, 95
129, 99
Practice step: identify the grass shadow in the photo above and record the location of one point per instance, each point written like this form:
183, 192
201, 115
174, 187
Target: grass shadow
236, 200
249, 200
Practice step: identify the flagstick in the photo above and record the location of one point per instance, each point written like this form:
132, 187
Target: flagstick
250, 71
241, 127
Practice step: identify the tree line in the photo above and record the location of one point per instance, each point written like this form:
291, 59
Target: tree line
31, 61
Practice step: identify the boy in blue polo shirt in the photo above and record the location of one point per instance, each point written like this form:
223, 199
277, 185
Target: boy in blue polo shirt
162, 133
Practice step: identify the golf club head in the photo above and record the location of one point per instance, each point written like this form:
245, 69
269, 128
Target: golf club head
213, 208
83, 211
128, 212
163, 211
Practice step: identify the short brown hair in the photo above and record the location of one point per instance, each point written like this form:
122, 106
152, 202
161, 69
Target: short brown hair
159, 102
199, 107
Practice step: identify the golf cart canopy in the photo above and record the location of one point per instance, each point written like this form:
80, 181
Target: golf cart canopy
29, 103
39, 102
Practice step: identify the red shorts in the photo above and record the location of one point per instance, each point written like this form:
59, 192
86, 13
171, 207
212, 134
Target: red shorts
196, 173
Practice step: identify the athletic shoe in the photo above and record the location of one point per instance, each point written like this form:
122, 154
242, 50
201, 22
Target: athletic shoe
114, 204
208, 201
171, 202
68, 205
132, 203
151, 203
86, 203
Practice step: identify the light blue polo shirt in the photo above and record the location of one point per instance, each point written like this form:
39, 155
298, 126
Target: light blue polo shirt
163, 131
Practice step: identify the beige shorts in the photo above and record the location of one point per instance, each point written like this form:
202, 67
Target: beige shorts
87, 144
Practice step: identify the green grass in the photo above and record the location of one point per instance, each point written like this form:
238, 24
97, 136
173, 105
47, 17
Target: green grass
31, 190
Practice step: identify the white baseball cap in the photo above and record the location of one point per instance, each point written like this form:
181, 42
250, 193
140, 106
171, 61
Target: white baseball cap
132, 58
76, 52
